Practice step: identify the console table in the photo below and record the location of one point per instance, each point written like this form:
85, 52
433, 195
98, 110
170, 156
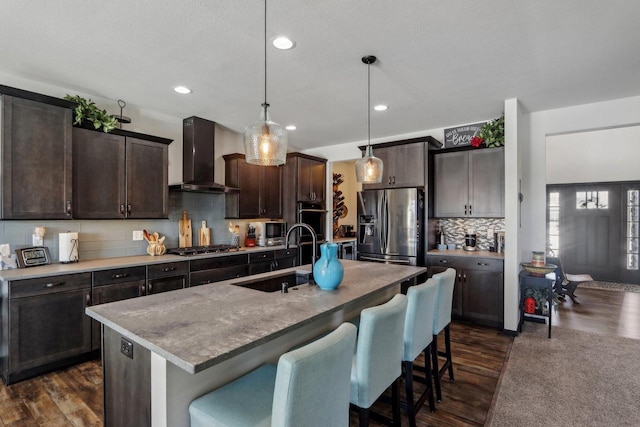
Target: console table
528, 281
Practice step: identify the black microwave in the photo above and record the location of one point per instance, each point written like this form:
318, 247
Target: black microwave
274, 233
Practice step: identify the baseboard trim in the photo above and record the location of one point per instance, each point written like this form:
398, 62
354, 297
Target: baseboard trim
510, 333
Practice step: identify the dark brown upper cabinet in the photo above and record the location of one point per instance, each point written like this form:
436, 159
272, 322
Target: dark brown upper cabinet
260, 194
469, 183
119, 175
36, 158
403, 166
307, 175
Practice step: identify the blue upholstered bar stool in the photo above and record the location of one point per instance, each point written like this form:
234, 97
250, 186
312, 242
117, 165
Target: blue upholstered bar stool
309, 387
377, 364
418, 330
442, 320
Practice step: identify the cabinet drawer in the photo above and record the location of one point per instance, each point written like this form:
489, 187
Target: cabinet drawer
486, 264
489, 264
218, 274
441, 261
218, 261
261, 256
118, 275
167, 270
286, 253
46, 285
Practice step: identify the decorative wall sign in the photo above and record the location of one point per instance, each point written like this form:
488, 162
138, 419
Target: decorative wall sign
461, 135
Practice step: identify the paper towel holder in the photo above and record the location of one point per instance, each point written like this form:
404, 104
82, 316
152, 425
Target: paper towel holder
68, 247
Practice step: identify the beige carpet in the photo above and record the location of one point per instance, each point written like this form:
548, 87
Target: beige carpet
573, 379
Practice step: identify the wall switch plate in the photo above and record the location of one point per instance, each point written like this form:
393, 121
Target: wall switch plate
137, 235
126, 347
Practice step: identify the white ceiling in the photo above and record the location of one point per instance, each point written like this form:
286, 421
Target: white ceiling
440, 63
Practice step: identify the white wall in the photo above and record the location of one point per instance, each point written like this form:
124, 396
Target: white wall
606, 155
513, 136
616, 113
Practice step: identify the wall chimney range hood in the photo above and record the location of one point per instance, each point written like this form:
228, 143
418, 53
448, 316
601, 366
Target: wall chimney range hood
198, 155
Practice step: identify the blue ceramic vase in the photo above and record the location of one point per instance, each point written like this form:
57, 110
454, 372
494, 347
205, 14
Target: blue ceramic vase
328, 271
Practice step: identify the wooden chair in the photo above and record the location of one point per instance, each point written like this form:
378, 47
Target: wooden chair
566, 284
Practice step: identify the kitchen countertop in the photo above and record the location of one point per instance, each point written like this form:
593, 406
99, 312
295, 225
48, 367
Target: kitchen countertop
84, 266
463, 253
196, 328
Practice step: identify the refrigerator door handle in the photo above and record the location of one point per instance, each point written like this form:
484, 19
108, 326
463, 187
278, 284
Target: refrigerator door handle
381, 224
387, 237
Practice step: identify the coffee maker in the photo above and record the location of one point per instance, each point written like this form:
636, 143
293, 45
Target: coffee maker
470, 240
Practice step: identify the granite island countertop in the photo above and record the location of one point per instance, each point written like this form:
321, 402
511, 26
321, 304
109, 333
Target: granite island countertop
199, 327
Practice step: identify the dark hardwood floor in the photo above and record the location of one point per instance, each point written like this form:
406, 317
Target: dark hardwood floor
602, 311
73, 396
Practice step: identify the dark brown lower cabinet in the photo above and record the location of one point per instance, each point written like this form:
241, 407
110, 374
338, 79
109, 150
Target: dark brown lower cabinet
216, 269
116, 285
478, 294
167, 277
111, 293
45, 325
264, 262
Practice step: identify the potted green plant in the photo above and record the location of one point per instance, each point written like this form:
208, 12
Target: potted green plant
491, 133
86, 111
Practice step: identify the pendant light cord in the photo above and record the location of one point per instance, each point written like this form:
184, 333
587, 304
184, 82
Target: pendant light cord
265, 54
369, 104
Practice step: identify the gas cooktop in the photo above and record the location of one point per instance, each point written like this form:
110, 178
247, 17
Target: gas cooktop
197, 250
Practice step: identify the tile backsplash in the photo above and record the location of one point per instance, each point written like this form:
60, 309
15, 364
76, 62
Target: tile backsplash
114, 238
455, 229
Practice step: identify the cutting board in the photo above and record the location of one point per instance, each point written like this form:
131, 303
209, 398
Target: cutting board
204, 235
184, 231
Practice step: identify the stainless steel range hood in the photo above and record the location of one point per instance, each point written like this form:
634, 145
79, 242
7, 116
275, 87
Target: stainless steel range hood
198, 155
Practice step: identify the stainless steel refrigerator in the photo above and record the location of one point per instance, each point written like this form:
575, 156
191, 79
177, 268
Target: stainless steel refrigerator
390, 225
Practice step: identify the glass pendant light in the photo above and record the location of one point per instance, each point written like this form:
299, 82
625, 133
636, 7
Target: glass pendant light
369, 168
265, 142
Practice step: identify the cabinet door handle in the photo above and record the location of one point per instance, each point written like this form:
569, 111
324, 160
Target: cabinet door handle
119, 276
129, 209
53, 284
206, 282
121, 208
444, 261
167, 269
394, 180
150, 287
141, 291
465, 209
87, 300
68, 207
469, 209
483, 263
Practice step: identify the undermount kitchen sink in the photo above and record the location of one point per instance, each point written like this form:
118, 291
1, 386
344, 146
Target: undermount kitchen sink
277, 283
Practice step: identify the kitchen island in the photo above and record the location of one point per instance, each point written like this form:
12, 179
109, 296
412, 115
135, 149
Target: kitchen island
187, 342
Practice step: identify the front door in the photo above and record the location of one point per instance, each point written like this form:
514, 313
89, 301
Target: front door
590, 229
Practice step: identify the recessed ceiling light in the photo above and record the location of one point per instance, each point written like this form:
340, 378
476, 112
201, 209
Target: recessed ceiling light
283, 43
291, 127
380, 107
182, 89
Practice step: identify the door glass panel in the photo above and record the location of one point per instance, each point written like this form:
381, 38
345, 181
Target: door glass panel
592, 200
553, 224
633, 229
